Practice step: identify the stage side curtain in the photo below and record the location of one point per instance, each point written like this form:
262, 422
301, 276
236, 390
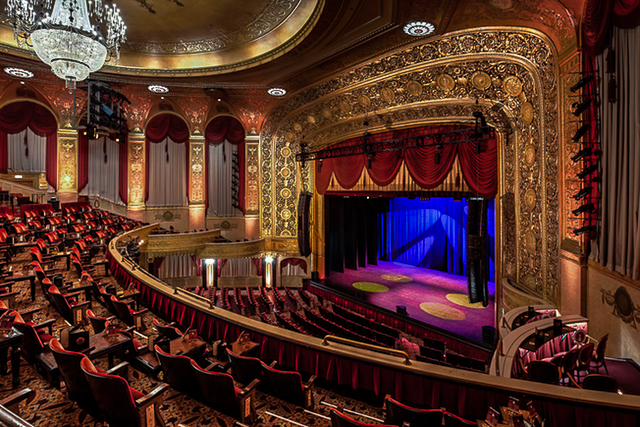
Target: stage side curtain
15, 118
167, 140
103, 170
479, 169
619, 239
27, 152
219, 178
600, 16
223, 131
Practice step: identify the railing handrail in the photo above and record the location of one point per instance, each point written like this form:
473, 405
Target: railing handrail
196, 296
391, 351
10, 419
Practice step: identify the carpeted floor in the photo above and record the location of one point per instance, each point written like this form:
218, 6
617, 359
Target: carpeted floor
430, 296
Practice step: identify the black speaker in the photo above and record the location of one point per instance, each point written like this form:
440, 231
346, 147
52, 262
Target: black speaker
315, 276
401, 310
477, 264
489, 335
304, 203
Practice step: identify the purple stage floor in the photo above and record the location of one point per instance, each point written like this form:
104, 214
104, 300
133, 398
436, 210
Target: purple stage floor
430, 296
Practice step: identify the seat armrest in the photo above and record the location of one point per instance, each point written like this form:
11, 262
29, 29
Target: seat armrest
309, 383
72, 294
121, 370
82, 305
144, 310
27, 315
152, 396
249, 388
46, 324
273, 364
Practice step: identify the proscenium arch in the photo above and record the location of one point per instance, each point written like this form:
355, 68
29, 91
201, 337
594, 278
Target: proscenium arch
512, 72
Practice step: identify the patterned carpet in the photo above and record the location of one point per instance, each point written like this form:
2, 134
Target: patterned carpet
51, 407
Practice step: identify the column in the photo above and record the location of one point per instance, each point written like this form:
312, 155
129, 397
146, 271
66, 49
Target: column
137, 167
252, 187
67, 165
197, 184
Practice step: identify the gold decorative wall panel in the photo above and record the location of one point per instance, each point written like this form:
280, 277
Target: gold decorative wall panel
196, 168
176, 244
252, 173
136, 171
67, 160
510, 74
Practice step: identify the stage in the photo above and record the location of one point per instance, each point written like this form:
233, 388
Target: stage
430, 296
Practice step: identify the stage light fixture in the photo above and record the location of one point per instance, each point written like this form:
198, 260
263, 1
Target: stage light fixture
585, 229
586, 208
582, 153
320, 165
583, 193
581, 131
587, 171
579, 108
581, 83
438, 154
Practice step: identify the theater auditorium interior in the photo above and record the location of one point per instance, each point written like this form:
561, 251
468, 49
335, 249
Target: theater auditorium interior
319, 213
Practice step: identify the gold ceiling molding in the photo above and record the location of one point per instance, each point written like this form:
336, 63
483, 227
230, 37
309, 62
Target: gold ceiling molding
513, 72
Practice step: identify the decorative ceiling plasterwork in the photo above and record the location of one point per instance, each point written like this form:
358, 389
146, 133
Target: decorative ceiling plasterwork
513, 74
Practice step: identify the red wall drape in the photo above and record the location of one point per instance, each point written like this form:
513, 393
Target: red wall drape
479, 170
15, 118
227, 128
601, 15
294, 261
159, 128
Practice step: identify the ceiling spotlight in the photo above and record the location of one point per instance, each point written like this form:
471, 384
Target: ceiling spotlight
158, 89
578, 108
581, 83
585, 229
580, 132
586, 208
419, 28
277, 91
582, 193
587, 171
18, 72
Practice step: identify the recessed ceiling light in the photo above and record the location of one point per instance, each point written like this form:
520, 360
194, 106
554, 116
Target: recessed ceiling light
158, 89
419, 28
276, 91
18, 72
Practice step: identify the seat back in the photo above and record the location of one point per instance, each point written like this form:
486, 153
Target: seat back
245, 369
166, 331
600, 382
584, 355
122, 311
113, 395
285, 385
217, 391
601, 348
31, 343
62, 305
338, 419
452, 420
74, 379
397, 414
543, 372
97, 323
178, 372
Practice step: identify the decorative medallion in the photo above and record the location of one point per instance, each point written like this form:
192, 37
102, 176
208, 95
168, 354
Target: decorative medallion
286, 152
290, 136
311, 120
326, 112
414, 88
285, 193
530, 154
285, 214
530, 198
364, 100
527, 113
530, 241
252, 169
285, 172
387, 94
529, 282
445, 82
344, 106
297, 127
167, 216
512, 85
225, 225
623, 305
158, 89
481, 80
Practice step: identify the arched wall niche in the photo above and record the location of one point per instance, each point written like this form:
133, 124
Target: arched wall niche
17, 92
511, 73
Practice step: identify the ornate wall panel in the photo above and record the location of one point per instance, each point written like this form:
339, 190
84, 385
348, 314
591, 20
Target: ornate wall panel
67, 160
510, 74
197, 173
252, 161
136, 171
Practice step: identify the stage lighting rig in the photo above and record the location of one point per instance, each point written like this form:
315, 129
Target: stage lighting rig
585, 229
105, 110
579, 108
583, 193
586, 208
585, 152
587, 171
581, 83
581, 131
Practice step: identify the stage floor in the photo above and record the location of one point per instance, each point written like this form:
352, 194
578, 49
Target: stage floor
430, 296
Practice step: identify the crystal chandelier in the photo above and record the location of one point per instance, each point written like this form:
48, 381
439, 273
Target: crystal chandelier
75, 39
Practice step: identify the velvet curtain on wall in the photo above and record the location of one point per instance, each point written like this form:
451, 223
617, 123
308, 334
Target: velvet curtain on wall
100, 158
27, 152
219, 131
15, 118
159, 129
479, 170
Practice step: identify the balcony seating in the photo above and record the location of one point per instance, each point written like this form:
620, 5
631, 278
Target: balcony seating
245, 369
35, 349
288, 386
600, 382
568, 365
543, 372
338, 419
178, 372
218, 391
169, 331
452, 420
119, 404
598, 355
583, 363
397, 413
68, 305
98, 324
75, 380
142, 357
128, 315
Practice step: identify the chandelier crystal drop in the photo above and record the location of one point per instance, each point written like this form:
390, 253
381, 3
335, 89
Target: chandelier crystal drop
75, 39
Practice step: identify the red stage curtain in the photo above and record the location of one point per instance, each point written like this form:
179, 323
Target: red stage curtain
221, 263
15, 118
218, 130
258, 263
480, 170
124, 171
159, 128
294, 261
600, 15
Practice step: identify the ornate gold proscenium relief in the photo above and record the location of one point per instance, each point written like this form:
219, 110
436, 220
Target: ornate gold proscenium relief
136, 170
513, 75
67, 160
197, 175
